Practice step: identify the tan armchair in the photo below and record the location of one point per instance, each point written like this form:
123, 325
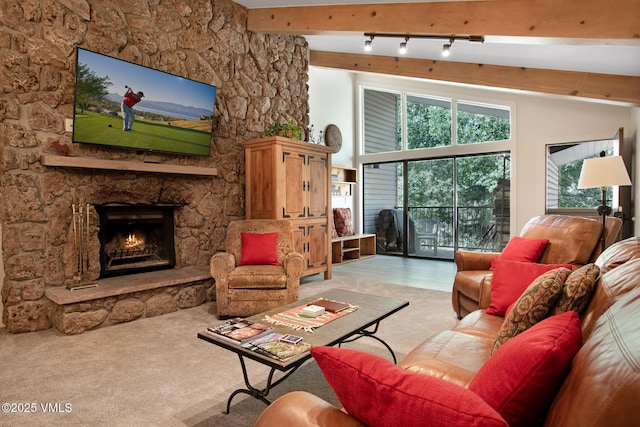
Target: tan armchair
250, 289
572, 240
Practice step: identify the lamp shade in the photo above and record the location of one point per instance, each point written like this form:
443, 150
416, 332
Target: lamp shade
603, 172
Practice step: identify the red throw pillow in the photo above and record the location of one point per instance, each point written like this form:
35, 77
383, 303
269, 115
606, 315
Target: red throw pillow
521, 378
379, 393
259, 249
524, 249
510, 279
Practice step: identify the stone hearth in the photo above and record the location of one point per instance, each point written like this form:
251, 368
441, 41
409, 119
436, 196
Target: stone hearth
130, 297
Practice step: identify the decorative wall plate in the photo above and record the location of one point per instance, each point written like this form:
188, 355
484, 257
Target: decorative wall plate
333, 137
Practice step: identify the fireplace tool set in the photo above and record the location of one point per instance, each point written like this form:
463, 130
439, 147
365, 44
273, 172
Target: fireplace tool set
81, 220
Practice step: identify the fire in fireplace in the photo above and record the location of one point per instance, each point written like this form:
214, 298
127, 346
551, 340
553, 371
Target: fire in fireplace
135, 239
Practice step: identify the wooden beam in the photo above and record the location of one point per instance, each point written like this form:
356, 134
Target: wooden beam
588, 85
529, 18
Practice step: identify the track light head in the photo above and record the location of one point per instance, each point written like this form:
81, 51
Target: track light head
368, 43
403, 46
446, 48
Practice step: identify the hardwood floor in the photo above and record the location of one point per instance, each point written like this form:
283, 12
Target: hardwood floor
415, 272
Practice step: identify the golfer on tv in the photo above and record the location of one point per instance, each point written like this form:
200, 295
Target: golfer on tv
130, 99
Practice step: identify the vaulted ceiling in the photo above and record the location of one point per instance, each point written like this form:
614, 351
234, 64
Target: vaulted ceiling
582, 48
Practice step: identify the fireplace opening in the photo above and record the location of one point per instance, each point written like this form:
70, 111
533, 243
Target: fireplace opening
135, 239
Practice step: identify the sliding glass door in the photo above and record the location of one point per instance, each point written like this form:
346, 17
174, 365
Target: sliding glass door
430, 208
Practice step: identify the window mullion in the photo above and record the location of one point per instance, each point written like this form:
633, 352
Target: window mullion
454, 122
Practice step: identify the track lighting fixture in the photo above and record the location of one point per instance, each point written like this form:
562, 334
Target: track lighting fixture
446, 48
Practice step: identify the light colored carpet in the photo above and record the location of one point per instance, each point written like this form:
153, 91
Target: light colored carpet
156, 372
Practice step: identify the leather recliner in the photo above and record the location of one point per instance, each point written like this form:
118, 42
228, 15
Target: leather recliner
572, 240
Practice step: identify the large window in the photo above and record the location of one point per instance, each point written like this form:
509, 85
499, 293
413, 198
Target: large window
382, 121
436, 173
482, 123
430, 122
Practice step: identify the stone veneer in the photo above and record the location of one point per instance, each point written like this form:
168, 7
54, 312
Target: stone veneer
261, 79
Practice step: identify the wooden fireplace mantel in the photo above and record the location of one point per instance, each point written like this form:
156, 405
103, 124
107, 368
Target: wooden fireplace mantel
125, 165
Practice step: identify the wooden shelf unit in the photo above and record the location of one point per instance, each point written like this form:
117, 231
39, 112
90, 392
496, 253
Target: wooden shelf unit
342, 180
352, 248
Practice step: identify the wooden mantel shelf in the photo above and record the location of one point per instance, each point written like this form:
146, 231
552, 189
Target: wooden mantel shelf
125, 165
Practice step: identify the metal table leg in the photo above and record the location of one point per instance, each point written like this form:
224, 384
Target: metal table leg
254, 392
371, 334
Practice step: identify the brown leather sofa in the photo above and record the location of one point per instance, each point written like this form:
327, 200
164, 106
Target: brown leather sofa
572, 240
602, 388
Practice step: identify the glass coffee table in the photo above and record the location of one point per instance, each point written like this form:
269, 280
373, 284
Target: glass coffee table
363, 322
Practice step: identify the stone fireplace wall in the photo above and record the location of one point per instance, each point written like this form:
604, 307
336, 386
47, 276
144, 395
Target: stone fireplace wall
261, 79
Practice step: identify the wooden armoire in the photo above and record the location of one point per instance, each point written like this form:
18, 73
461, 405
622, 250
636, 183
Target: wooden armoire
289, 179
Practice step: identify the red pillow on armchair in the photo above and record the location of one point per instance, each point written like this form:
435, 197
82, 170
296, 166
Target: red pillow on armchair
524, 249
259, 249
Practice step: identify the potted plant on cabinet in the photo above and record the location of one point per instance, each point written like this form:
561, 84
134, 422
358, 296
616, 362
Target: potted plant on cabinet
289, 129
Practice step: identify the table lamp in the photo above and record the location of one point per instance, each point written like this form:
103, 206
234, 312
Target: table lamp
603, 172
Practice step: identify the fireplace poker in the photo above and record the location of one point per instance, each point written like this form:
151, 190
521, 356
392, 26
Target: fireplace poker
77, 276
87, 242
81, 225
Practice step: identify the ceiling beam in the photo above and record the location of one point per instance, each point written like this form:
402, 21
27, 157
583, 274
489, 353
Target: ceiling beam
570, 83
529, 18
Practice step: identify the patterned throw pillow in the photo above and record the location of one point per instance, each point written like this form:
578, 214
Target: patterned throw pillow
577, 290
332, 224
533, 305
343, 222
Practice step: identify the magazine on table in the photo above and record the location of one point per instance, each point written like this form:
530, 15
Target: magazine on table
240, 330
278, 346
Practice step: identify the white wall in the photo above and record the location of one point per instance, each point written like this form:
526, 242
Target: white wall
331, 101
538, 120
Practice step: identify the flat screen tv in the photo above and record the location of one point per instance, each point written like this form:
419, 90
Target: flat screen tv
118, 103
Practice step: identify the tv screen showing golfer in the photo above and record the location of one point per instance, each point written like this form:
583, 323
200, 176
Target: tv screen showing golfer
118, 103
